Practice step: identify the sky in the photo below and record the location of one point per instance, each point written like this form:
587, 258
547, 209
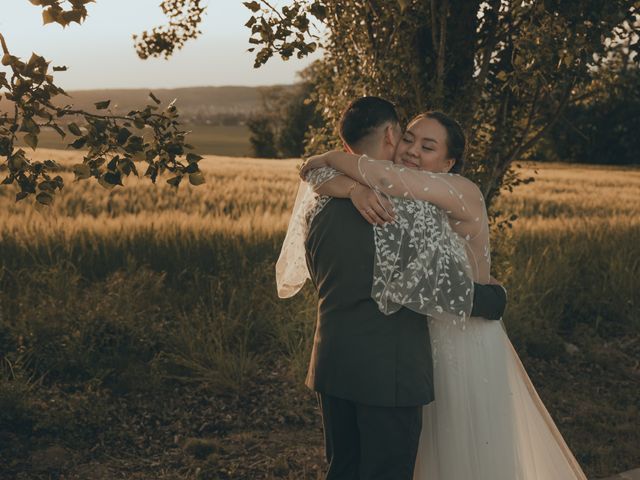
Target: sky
100, 52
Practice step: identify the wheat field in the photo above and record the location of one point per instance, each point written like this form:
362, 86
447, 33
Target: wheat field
245, 195
576, 240
132, 286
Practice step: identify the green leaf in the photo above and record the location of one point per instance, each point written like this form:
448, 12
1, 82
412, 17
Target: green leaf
192, 168
82, 171
49, 16
79, 143
44, 198
58, 181
105, 184
102, 105
113, 178
31, 140
253, 6
29, 126
76, 15
17, 161
193, 158
47, 186
123, 135
21, 196
61, 132
152, 173
34, 60
196, 178
175, 181
52, 165
75, 129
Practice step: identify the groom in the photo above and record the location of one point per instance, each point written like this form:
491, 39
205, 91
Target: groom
372, 372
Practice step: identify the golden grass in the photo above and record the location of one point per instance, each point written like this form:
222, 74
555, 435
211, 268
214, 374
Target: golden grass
565, 192
572, 271
253, 198
255, 193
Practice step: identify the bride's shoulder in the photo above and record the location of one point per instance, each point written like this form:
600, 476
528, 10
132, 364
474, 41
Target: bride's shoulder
463, 185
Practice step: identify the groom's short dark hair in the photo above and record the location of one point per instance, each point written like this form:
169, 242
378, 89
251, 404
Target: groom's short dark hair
363, 116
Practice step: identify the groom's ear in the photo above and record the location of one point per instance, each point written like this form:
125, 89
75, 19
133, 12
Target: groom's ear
395, 134
390, 135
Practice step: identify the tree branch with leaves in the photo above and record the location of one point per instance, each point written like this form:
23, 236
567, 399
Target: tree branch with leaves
112, 143
505, 69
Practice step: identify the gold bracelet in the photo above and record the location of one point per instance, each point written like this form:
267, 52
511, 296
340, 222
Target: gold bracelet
352, 188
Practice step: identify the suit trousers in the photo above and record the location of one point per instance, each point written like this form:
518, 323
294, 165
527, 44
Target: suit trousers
365, 442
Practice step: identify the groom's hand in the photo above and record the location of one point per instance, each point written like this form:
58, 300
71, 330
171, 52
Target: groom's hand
375, 209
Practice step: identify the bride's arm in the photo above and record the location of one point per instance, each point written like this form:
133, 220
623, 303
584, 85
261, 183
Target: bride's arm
457, 195
376, 209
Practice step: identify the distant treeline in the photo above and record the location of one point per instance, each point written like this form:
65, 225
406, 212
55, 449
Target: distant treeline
602, 129
228, 105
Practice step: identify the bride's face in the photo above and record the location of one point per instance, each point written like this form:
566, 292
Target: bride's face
423, 146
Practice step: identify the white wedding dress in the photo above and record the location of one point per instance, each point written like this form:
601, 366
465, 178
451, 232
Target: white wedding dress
487, 421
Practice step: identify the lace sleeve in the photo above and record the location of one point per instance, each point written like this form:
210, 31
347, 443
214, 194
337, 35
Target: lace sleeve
422, 264
459, 197
317, 177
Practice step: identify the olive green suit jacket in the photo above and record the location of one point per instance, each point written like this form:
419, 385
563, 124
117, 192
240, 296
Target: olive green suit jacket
359, 353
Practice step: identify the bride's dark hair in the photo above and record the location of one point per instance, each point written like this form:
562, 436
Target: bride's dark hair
456, 140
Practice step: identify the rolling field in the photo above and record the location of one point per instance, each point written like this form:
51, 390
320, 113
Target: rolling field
114, 298
231, 140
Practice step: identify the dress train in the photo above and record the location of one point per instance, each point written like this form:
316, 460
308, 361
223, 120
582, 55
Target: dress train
487, 421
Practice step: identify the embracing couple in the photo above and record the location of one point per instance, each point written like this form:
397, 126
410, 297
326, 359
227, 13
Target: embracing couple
414, 373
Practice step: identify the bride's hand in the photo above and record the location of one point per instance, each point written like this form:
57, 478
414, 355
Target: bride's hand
314, 162
375, 209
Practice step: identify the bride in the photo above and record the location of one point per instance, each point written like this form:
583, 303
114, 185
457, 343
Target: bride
487, 421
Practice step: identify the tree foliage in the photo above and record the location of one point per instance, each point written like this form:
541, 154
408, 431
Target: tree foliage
280, 128
114, 143
505, 68
184, 18
602, 126
54, 11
